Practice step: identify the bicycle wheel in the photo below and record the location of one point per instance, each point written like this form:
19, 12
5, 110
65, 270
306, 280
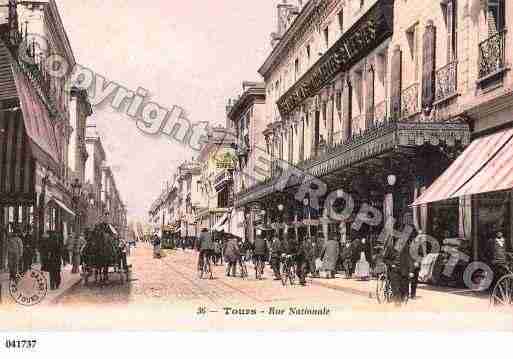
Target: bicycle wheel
502, 293
243, 270
284, 274
381, 289
292, 274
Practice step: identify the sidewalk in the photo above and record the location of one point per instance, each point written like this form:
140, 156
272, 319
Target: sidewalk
428, 297
69, 281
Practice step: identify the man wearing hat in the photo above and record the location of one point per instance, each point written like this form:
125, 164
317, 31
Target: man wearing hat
14, 253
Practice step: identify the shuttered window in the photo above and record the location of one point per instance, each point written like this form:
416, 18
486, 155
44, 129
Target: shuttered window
369, 83
428, 66
396, 84
347, 108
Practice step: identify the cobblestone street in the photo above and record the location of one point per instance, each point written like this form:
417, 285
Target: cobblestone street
167, 294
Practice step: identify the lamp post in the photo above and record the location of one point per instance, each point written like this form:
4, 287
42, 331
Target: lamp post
306, 203
281, 207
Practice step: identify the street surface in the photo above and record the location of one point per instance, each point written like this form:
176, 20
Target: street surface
166, 294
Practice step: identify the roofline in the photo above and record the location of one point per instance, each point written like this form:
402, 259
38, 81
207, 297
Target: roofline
248, 98
277, 50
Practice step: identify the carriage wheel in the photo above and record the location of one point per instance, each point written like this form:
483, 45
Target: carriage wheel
502, 294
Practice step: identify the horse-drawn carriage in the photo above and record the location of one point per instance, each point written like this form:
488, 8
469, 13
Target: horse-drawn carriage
104, 250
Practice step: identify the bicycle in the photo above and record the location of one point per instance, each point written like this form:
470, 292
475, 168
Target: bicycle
288, 270
243, 268
384, 288
259, 267
206, 268
502, 293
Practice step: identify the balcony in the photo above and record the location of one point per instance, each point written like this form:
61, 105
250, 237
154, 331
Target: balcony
410, 101
492, 55
446, 82
374, 27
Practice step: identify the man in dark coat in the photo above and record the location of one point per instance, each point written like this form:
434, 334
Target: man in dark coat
276, 252
308, 250
398, 260
55, 249
28, 249
296, 249
260, 252
205, 246
231, 256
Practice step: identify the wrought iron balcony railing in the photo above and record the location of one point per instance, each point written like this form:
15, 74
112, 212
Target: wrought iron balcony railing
380, 113
410, 101
492, 53
357, 126
446, 83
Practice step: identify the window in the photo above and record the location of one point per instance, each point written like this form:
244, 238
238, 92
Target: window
296, 69
496, 16
451, 24
308, 52
411, 35
327, 37
362, 3
341, 20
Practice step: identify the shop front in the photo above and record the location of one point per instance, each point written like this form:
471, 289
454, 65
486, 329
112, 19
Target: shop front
354, 190
471, 202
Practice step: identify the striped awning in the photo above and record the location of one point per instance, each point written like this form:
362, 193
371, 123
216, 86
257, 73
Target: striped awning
485, 166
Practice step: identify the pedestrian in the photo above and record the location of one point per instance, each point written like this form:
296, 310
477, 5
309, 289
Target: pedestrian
231, 256
55, 256
77, 243
260, 254
205, 246
276, 252
347, 255
398, 260
330, 256
362, 270
307, 247
14, 254
156, 245
419, 250
318, 248
28, 249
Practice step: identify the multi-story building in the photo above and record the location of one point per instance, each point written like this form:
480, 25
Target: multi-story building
247, 114
93, 174
35, 187
217, 159
375, 99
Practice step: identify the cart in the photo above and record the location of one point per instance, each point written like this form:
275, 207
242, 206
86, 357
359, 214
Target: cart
103, 253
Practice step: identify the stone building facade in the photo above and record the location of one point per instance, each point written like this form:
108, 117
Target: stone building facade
376, 99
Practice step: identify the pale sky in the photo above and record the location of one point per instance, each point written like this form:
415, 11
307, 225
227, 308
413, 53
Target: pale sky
194, 54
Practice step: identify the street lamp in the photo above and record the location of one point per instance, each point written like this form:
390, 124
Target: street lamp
392, 179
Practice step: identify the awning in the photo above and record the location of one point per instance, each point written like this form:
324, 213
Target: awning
62, 206
485, 166
496, 176
35, 117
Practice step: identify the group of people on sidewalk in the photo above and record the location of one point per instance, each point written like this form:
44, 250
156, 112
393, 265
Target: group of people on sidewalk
22, 250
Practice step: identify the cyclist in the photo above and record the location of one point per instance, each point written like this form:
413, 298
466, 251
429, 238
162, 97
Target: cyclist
232, 256
206, 247
260, 253
276, 252
297, 251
